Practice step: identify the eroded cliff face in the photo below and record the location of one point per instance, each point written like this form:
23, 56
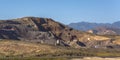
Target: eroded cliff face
46, 30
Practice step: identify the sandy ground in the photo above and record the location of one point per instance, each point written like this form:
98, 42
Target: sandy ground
96, 58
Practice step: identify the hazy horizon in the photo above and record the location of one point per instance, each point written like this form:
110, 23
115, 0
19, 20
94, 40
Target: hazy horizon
64, 11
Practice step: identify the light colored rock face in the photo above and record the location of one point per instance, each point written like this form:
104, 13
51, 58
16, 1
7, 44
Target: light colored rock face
96, 58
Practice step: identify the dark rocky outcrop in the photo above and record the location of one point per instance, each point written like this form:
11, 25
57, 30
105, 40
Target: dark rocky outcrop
34, 29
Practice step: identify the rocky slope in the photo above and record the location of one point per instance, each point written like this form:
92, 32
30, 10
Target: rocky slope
48, 31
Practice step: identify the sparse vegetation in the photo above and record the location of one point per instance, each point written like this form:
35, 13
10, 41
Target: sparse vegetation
9, 48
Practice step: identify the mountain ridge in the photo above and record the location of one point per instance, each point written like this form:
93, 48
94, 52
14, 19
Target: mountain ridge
86, 26
92, 25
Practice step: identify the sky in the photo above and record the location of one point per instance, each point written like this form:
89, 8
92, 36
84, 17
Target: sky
64, 11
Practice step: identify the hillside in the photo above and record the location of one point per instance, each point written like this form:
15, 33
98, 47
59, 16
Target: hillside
34, 37
48, 31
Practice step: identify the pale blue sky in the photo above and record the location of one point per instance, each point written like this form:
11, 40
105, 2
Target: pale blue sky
64, 11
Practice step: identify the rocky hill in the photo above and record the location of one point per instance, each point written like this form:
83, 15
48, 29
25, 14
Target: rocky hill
48, 31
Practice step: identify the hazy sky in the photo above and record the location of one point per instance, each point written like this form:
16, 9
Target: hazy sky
65, 11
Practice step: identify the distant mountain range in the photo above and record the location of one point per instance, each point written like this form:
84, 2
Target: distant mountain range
87, 25
98, 28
